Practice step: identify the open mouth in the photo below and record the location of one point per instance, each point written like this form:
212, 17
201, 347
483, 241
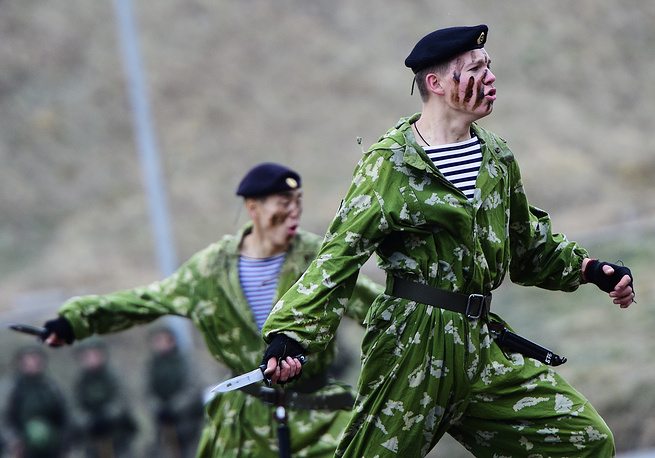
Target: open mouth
491, 95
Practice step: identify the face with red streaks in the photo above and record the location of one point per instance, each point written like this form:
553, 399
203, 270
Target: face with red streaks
469, 84
277, 216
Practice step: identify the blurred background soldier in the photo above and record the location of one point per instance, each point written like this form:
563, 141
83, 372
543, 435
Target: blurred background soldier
106, 424
228, 289
178, 408
36, 411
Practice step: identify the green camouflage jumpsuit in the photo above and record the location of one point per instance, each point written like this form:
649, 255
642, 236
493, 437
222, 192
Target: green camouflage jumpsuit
426, 370
207, 290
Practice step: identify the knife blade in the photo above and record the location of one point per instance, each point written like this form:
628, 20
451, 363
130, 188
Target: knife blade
38, 331
254, 376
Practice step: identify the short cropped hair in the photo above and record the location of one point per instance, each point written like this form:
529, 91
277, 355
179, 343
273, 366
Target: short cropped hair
440, 68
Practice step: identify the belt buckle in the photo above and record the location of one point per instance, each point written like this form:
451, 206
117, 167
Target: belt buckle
470, 301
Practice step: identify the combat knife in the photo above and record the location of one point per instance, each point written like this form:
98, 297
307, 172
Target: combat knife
37, 331
254, 376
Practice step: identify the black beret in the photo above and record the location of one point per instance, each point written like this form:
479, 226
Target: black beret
268, 178
444, 44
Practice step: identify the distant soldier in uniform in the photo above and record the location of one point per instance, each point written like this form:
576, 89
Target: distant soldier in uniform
36, 412
107, 425
228, 289
178, 405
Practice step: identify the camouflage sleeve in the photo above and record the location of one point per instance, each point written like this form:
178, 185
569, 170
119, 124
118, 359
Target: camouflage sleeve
310, 311
102, 314
539, 257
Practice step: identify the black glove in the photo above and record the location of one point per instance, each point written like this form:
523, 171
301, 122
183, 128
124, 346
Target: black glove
593, 273
62, 327
280, 347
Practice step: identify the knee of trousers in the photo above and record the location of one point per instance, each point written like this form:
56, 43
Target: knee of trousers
604, 445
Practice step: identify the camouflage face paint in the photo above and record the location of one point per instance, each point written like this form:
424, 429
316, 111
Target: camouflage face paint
474, 92
457, 74
469, 90
479, 96
278, 218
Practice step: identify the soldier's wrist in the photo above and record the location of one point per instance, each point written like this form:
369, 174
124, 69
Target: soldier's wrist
62, 328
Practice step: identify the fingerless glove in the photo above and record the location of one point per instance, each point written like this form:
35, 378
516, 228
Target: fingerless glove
594, 274
280, 347
62, 327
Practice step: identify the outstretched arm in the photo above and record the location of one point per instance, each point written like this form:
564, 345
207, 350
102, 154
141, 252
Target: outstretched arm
310, 311
83, 316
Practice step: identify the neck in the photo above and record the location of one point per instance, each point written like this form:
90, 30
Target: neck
256, 245
439, 127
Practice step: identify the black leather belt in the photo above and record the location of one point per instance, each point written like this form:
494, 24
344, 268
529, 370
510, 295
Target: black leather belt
301, 401
474, 306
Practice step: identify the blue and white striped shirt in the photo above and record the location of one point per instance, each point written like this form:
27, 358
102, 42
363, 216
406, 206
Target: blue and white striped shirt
459, 162
259, 278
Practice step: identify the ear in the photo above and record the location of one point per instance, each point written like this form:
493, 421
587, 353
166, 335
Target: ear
433, 83
251, 207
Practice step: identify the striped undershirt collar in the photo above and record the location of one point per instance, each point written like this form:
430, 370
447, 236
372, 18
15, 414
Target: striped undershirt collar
459, 163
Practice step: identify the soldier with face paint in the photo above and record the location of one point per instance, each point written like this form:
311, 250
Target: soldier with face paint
440, 200
227, 290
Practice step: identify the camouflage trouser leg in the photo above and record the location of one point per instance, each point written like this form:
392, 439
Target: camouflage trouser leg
416, 373
522, 408
242, 426
427, 372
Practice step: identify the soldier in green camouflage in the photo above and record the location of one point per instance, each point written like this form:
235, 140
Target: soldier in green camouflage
36, 414
108, 428
211, 290
441, 201
177, 399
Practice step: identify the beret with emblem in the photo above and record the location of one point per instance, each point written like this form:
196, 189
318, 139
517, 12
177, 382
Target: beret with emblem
444, 44
268, 178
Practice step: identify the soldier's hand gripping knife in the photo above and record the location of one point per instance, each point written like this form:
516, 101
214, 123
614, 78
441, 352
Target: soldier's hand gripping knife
282, 348
59, 332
